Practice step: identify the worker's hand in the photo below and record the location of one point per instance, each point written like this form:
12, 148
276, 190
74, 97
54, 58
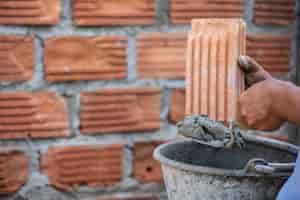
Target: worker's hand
256, 106
253, 71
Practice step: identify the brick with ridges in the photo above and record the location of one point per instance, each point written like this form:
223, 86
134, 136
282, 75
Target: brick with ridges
112, 13
146, 169
276, 12
183, 11
14, 170
177, 105
30, 12
214, 81
16, 58
73, 166
32, 115
161, 55
77, 58
271, 51
120, 110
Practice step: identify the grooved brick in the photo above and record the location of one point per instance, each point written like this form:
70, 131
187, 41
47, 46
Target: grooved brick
129, 198
32, 115
85, 58
30, 12
14, 171
271, 51
120, 110
214, 81
146, 169
161, 55
74, 166
16, 58
177, 105
276, 12
183, 11
113, 12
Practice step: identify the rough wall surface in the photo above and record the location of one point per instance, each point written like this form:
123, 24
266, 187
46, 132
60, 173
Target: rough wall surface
55, 85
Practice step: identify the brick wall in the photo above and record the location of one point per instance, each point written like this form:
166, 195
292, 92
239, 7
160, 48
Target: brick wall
90, 88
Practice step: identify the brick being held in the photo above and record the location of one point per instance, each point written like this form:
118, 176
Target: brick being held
74, 166
183, 11
214, 81
146, 169
30, 12
274, 12
177, 105
273, 52
32, 115
161, 55
113, 12
14, 171
120, 110
17, 58
75, 58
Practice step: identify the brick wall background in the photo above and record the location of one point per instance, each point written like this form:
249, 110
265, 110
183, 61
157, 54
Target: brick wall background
68, 128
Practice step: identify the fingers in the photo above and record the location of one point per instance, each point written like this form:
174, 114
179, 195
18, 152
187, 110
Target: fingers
248, 65
256, 77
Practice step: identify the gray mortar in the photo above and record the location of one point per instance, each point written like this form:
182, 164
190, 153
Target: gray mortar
37, 187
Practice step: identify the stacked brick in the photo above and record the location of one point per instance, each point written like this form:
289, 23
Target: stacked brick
73, 84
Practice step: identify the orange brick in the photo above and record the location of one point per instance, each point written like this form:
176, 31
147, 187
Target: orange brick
32, 115
276, 12
214, 81
161, 55
271, 51
16, 58
120, 110
30, 12
183, 11
85, 58
130, 198
177, 105
113, 12
146, 169
14, 170
74, 166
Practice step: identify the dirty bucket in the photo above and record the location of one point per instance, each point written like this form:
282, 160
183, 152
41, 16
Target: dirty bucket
193, 171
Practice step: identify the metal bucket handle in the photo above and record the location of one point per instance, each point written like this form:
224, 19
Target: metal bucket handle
261, 166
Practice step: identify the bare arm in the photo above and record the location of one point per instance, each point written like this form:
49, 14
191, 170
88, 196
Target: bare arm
287, 102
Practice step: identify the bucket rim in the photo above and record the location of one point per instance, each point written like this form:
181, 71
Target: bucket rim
293, 149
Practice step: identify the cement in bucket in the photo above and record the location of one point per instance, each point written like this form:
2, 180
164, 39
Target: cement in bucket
197, 172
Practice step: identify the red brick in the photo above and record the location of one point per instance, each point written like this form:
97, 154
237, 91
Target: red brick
161, 55
32, 115
30, 12
111, 13
276, 12
177, 105
183, 11
129, 198
16, 58
14, 171
74, 166
214, 81
146, 169
271, 51
120, 110
76, 58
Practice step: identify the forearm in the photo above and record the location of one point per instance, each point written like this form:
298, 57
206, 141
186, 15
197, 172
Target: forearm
287, 102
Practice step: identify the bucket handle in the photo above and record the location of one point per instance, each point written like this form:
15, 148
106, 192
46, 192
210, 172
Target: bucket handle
261, 166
